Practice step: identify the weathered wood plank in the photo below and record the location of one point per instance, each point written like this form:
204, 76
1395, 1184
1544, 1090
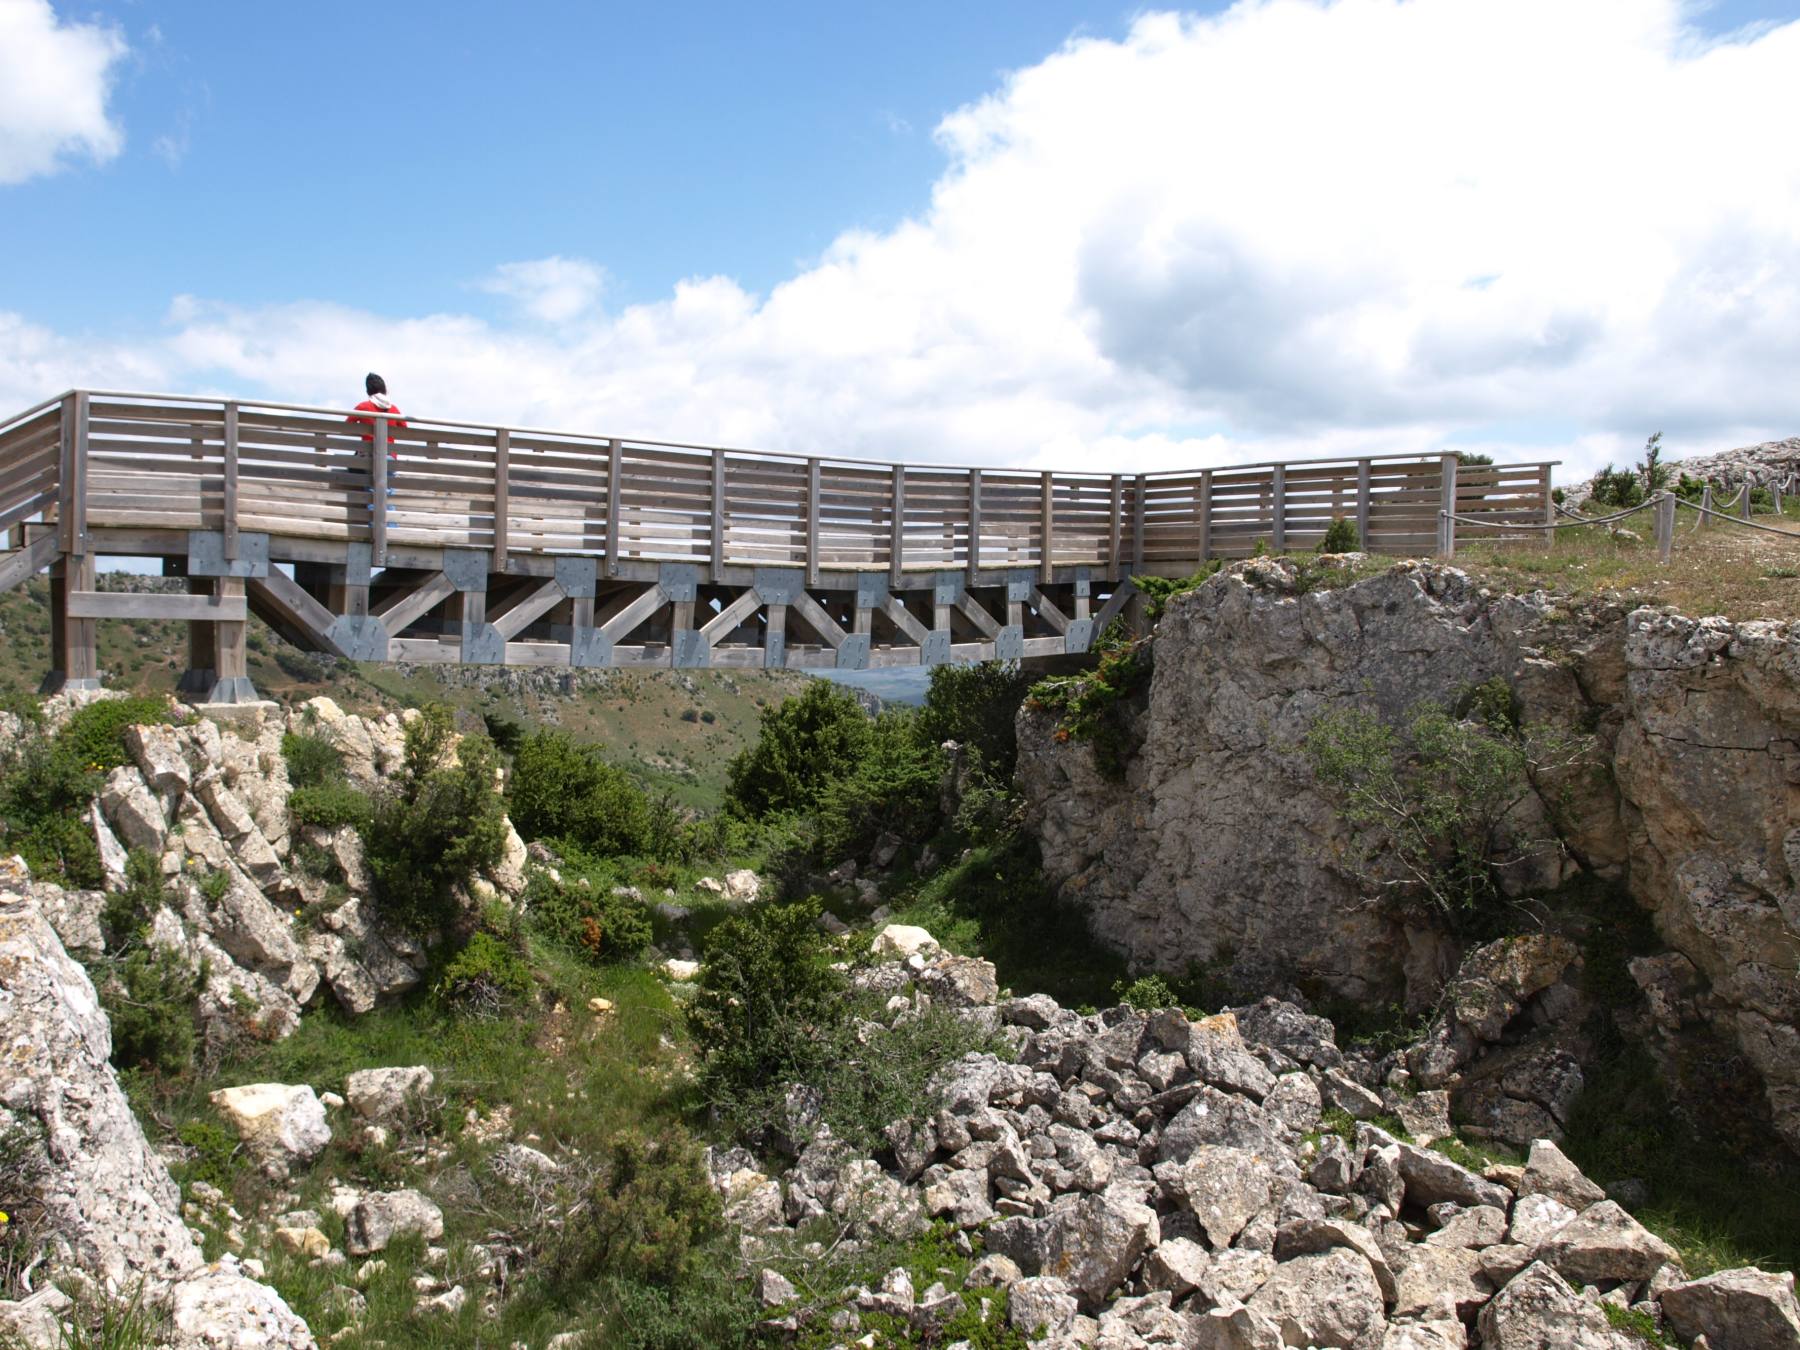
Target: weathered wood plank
24, 563
502, 494
416, 603
130, 605
228, 509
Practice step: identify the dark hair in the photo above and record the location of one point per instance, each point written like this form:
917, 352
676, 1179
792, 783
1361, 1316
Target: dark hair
373, 384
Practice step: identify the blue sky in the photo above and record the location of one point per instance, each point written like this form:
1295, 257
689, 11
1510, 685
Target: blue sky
1043, 232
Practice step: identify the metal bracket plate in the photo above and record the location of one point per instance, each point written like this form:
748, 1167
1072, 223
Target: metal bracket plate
358, 563
692, 650
577, 576
679, 581
1019, 585
1082, 582
935, 651
467, 568
1080, 635
360, 637
206, 554
947, 588
870, 590
589, 647
853, 652
483, 645
778, 585
1009, 643
774, 651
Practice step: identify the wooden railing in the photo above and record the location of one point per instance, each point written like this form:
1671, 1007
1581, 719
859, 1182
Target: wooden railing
126, 461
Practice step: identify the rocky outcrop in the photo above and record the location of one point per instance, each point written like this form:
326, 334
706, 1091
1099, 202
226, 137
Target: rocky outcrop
1130, 1186
110, 1210
1764, 465
1220, 848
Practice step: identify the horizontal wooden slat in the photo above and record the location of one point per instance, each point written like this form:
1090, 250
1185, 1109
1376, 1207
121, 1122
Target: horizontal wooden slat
129, 605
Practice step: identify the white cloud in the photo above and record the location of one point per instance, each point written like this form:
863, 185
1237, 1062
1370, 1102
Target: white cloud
1295, 228
54, 81
553, 290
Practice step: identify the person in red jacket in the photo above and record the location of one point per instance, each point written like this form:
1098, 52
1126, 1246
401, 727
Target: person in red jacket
378, 401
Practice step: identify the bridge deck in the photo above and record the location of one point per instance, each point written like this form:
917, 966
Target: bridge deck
512, 545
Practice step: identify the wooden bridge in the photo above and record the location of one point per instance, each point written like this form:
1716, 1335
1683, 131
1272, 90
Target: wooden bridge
450, 541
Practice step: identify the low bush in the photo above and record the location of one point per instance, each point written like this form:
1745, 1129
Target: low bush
485, 978
643, 1216
1340, 537
589, 919
1617, 488
330, 806
566, 792
803, 744
1147, 993
1101, 706
977, 706
440, 822
149, 998
312, 761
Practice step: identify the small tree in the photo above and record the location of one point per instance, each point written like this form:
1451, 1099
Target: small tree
1434, 809
1652, 470
805, 743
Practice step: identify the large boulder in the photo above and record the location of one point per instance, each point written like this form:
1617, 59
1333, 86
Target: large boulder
222, 1310
381, 1217
1751, 1308
385, 1096
1539, 1311
282, 1125
1331, 1298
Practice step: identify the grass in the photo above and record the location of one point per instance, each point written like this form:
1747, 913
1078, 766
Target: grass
1724, 569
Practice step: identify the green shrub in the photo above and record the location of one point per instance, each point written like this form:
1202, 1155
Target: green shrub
213, 1151
1617, 488
566, 792
767, 997
645, 1215
1761, 499
485, 977
331, 805
149, 999
590, 919
95, 735
1472, 459
440, 822
893, 787
803, 743
1690, 489
24, 1161
1431, 808
976, 706
1099, 707
1638, 1325
312, 761
127, 912
1340, 537
1147, 993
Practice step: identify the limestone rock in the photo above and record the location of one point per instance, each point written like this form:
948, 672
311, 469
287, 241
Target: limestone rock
280, 1124
961, 982
1603, 1242
742, 885
1328, 1299
1539, 1311
1548, 1171
1750, 1308
899, 941
387, 1095
101, 1185
381, 1217
219, 1310
1223, 1187
1041, 1307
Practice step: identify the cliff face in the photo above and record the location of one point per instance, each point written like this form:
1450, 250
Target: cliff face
1220, 846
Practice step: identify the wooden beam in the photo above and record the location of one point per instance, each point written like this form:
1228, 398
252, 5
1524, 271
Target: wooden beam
416, 604
718, 515
1113, 566
1047, 492
1115, 603
130, 605
528, 609
812, 522
903, 619
1362, 503
290, 599
24, 563
378, 487
232, 634
229, 526
721, 624
1205, 516
502, 495
1046, 607
974, 523
975, 614
897, 527
615, 454
1447, 505
1278, 509
621, 624
1137, 524
821, 622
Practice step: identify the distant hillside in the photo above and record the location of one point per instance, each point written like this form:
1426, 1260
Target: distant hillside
675, 730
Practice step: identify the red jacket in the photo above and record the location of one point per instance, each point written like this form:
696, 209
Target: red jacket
395, 423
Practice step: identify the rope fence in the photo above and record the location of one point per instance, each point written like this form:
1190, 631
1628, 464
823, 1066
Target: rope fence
1664, 504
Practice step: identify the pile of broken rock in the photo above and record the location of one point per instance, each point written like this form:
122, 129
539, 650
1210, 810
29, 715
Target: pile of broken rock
1144, 1179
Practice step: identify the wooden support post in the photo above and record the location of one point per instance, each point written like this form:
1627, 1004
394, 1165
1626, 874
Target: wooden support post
232, 641
1278, 510
1363, 503
1137, 525
203, 649
74, 648
812, 522
1447, 506
1744, 500
974, 526
718, 515
1114, 566
615, 454
72, 495
897, 528
229, 526
1665, 526
1048, 528
502, 493
378, 489
1549, 500
1706, 504
1205, 516
775, 633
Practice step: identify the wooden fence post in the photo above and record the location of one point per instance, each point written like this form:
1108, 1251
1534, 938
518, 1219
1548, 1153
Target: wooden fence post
1665, 526
1118, 527
1362, 504
897, 529
1205, 515
1744, 500
615, 514
1447, 508
1278, 510
974, 559
1549, 495
229, 527
1047, 512
812, 522
1706, 504
1137, 525
502, 506
718, 515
